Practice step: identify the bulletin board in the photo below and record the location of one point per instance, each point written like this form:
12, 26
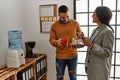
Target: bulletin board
48, 15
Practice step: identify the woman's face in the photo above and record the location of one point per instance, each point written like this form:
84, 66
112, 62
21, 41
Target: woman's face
95, 18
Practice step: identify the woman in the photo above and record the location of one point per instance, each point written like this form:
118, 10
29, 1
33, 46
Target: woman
100, 46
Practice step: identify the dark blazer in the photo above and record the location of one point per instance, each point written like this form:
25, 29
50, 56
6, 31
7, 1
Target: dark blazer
98, 59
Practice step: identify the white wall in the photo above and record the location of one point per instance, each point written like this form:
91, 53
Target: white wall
10, 18
24, 15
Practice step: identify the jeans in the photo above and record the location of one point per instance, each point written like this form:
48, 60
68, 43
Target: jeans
61, 65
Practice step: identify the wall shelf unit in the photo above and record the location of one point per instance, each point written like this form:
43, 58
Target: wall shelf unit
34, 69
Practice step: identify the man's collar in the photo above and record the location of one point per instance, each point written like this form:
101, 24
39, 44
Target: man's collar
61, 21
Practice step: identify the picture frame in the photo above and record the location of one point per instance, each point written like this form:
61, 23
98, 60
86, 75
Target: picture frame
48, 15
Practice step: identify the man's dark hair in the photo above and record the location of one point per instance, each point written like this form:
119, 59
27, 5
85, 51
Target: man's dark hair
63, 9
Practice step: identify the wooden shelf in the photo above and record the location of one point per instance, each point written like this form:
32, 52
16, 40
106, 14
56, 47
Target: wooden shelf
12, 73
43, 77
6, 72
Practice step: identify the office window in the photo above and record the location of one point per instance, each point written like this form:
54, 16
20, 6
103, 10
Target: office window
83, 10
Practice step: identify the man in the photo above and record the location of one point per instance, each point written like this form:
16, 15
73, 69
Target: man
61, 34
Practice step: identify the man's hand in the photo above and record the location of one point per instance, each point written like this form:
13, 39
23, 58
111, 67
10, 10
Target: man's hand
80, 34
59, 43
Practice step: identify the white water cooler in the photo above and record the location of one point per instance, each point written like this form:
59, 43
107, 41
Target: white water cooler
15, 58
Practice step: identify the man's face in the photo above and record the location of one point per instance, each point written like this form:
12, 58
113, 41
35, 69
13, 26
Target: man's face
64, 17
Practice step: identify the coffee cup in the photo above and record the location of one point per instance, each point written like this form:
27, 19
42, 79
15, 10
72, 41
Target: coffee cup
64, 41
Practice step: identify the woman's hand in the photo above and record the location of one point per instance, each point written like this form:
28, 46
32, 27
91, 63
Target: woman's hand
87, 42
